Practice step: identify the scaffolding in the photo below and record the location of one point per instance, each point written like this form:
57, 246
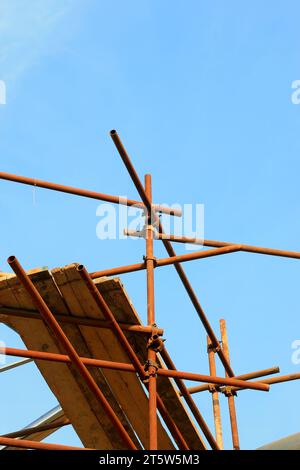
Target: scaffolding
156, 353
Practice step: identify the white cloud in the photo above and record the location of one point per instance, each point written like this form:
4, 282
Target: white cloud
27, 32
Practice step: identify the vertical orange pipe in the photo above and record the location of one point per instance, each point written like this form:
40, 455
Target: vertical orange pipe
215, 395
151, 320
230, 394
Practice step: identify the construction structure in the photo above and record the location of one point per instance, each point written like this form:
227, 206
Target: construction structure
113, 377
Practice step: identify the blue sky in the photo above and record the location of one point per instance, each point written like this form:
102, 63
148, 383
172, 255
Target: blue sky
201, 96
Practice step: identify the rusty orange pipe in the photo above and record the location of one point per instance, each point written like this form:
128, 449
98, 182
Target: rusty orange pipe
127, 347
216, 243
167, 261
92, 322
276, 380
25, 444
230, 394
97, 296
190, 402
168, 246
151, 354
215, 396
249, 375
64, 341
86, 193
54, 357
175, 374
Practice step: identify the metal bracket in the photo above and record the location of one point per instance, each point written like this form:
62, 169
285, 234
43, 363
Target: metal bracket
228, 392
147, 365
150, 258
156, 343
212, 388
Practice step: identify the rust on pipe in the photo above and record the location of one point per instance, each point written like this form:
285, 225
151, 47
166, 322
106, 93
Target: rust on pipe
215, 243
117, 271
25, 444
123, 340
97, 296
197, 255
134, 176
282, 378
191, 293
276, 380
54, 357
34, 429
50, 320
131, 170
230, 395
86, 193
37, 355
151, 354
89, 362
93, 322
248, 376
231, 381
174, 374
137, 366
190, 402
167, 261
215, 396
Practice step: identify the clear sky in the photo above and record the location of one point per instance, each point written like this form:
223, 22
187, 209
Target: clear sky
200, 93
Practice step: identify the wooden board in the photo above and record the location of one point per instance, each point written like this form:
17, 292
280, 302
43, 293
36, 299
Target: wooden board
65, 293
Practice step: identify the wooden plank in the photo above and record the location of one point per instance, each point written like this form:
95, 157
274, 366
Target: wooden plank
86, 415
103, 344
65, 292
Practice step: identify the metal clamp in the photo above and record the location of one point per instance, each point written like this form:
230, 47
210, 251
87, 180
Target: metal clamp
155, 342
150, 258
228, 392
212, 388
148, 374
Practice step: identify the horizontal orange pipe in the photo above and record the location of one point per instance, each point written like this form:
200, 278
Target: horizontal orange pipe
93, 322
249, 375
130, 368
215, 380
86, 193
54, 357
25, 444
215, 243
167, 261
276, 380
